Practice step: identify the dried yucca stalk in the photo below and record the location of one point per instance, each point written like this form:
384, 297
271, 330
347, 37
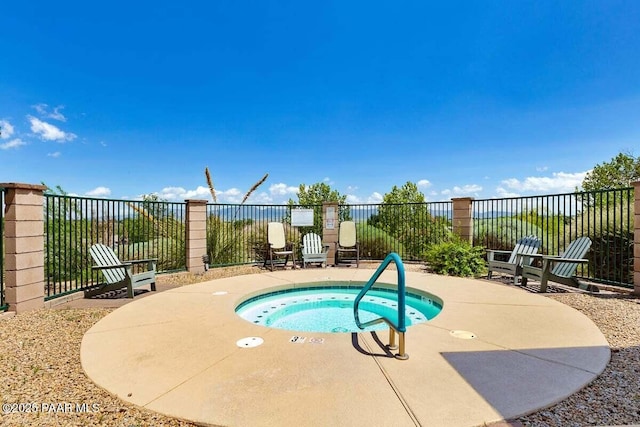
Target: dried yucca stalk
254, 188
212, 190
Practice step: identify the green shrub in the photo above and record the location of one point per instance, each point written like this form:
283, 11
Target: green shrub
456, 258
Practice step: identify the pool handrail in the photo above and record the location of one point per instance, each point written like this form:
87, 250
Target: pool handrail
401, 326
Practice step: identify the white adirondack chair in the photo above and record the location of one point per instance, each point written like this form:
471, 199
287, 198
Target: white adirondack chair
313, 250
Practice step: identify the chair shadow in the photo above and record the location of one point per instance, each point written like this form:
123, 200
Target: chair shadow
118, 294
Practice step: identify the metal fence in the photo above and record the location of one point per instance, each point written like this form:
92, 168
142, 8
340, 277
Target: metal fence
135, 229
3, 304
237, 234
606, 217
407, 229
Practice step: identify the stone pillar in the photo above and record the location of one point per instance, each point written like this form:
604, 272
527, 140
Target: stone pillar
636, 238
463, 218
24, 246
196, 229
330, 223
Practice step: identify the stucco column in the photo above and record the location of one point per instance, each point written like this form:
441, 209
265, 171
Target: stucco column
636, 238
24, 246
196, 229
463, 218
330, 222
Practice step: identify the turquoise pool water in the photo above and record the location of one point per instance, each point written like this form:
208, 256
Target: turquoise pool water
330, 308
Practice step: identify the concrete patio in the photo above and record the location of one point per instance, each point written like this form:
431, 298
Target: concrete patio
175, 352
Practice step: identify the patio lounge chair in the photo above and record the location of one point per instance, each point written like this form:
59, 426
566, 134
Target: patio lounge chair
313, 250
278, 246
120, 274
347, 243
560, 269
513, 266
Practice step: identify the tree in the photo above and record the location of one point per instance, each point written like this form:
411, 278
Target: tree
405, 215
312, 197
401, 208
620, 172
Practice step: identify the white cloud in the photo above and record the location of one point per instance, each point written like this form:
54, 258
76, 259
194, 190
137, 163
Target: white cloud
464, 191
7, 129
232, 195
261, 198
375, 197
282, 189
502, 193
542, 168
559, 182
42, 109
55, 154
424, 183
49, 132
14, 143
99, 192
353, 199
180, 194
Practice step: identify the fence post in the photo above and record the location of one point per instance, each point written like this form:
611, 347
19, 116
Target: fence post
636, 238
196, 229
24, 246
330, 223
463, 218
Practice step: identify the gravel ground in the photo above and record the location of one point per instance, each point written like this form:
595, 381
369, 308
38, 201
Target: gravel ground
40, 365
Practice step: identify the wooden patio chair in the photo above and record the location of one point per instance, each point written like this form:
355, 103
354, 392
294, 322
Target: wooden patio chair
561, 268
347, 242
513, 265
120, 274
278, 246
313, 251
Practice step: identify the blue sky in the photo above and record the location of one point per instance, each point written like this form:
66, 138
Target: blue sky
483, 99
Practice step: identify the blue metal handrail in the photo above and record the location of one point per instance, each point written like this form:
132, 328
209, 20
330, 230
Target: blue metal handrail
401, 326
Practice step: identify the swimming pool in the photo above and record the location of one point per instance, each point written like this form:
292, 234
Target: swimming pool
328, 307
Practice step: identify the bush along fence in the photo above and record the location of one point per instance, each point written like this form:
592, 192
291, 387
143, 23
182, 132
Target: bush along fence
46, 237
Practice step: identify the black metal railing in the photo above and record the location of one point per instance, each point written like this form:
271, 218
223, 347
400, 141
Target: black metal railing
134, 229
3, 304
237, 234
406, 229
606, 217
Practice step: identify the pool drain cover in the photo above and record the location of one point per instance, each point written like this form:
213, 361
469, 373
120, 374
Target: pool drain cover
465, 335
249, 342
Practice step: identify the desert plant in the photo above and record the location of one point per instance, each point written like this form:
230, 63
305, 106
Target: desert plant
228, 240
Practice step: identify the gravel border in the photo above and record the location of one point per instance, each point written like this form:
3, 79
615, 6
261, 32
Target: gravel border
40, 366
